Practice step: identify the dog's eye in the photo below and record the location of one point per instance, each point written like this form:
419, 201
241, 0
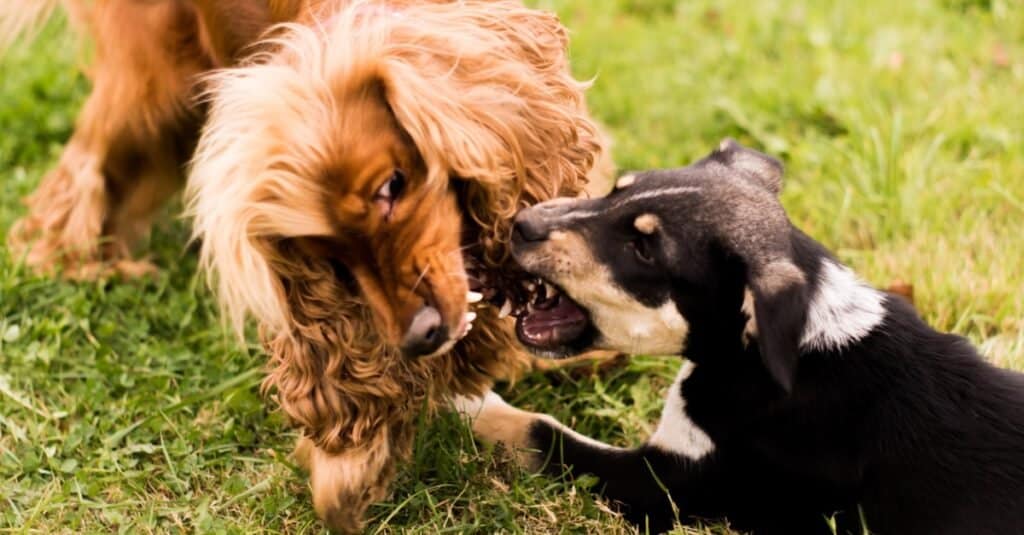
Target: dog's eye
642, 251
389, 193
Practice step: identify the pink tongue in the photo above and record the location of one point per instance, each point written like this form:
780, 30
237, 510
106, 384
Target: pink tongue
554, 326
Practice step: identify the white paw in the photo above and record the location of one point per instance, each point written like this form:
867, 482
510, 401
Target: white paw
473, 406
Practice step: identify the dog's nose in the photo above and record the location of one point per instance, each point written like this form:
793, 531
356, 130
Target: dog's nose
530, 225
426, 333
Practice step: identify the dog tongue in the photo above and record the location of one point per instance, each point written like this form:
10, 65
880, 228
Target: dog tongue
554, 325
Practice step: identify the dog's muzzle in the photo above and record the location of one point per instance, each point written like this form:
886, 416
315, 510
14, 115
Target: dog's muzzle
426, 334
537, 222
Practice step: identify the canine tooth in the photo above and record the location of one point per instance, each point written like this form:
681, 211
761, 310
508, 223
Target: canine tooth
470, 316
550, 290
474, 297
530, 285
506, 309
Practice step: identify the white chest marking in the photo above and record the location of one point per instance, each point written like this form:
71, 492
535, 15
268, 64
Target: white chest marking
676, 432
844, 309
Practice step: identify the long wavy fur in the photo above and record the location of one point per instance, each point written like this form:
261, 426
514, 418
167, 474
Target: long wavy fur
483, 89
23, 18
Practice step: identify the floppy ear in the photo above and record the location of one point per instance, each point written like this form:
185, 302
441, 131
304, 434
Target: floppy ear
760, 233
496, 76
780, 308
751, 164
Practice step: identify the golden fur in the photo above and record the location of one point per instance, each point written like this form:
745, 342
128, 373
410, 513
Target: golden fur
472, 101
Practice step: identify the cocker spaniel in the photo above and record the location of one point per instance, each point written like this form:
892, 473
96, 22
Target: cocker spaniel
351, 162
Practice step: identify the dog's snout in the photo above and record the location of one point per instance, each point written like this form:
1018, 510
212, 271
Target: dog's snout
426, 333
530, 225
537, 222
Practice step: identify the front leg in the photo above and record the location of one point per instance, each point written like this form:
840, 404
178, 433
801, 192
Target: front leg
680, 474
643, 482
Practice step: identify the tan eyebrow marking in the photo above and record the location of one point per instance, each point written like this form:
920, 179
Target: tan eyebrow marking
647, 223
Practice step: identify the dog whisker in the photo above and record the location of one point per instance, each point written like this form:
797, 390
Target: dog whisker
420, 278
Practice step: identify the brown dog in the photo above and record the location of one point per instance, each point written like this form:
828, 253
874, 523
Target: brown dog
355, 161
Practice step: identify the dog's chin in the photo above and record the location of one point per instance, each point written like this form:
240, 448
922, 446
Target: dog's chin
552, 325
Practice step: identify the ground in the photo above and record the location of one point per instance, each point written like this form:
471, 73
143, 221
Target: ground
125, 407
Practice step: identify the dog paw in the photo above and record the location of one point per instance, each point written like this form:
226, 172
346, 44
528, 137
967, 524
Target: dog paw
126, 269
135, 269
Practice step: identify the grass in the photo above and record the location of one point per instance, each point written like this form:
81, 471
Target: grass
124, 407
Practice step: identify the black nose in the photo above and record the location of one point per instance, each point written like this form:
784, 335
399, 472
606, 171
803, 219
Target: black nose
426, 333
530, 225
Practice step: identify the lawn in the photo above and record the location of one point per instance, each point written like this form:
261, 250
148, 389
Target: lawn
125, 407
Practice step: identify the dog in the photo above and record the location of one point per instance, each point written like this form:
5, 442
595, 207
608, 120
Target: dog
809, 401
355, 170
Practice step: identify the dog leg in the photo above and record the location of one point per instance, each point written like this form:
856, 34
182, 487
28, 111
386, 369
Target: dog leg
652, 486
137, 193
604, 360
633, 478
132, 136
65, 212
494, 421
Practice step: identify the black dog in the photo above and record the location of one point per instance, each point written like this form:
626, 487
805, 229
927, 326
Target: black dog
808, 397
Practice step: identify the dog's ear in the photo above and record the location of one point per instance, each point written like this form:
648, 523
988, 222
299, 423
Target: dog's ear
760, 233
751, 164
780, 310
496, 75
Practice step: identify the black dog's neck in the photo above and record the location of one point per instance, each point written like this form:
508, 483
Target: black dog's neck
714, 312
718, 330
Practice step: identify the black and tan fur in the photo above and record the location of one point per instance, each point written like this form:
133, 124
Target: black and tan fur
807, 396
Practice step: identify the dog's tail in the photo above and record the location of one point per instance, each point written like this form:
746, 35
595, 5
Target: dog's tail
26, 17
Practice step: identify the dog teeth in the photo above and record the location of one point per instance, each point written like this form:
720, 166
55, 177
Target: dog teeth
506, 309
468, 324
474, 297
550, 290
530, 285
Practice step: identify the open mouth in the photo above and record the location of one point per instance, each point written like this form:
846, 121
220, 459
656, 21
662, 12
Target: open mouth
552, 320
547, 320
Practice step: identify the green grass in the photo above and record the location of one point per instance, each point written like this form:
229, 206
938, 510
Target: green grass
124, 407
